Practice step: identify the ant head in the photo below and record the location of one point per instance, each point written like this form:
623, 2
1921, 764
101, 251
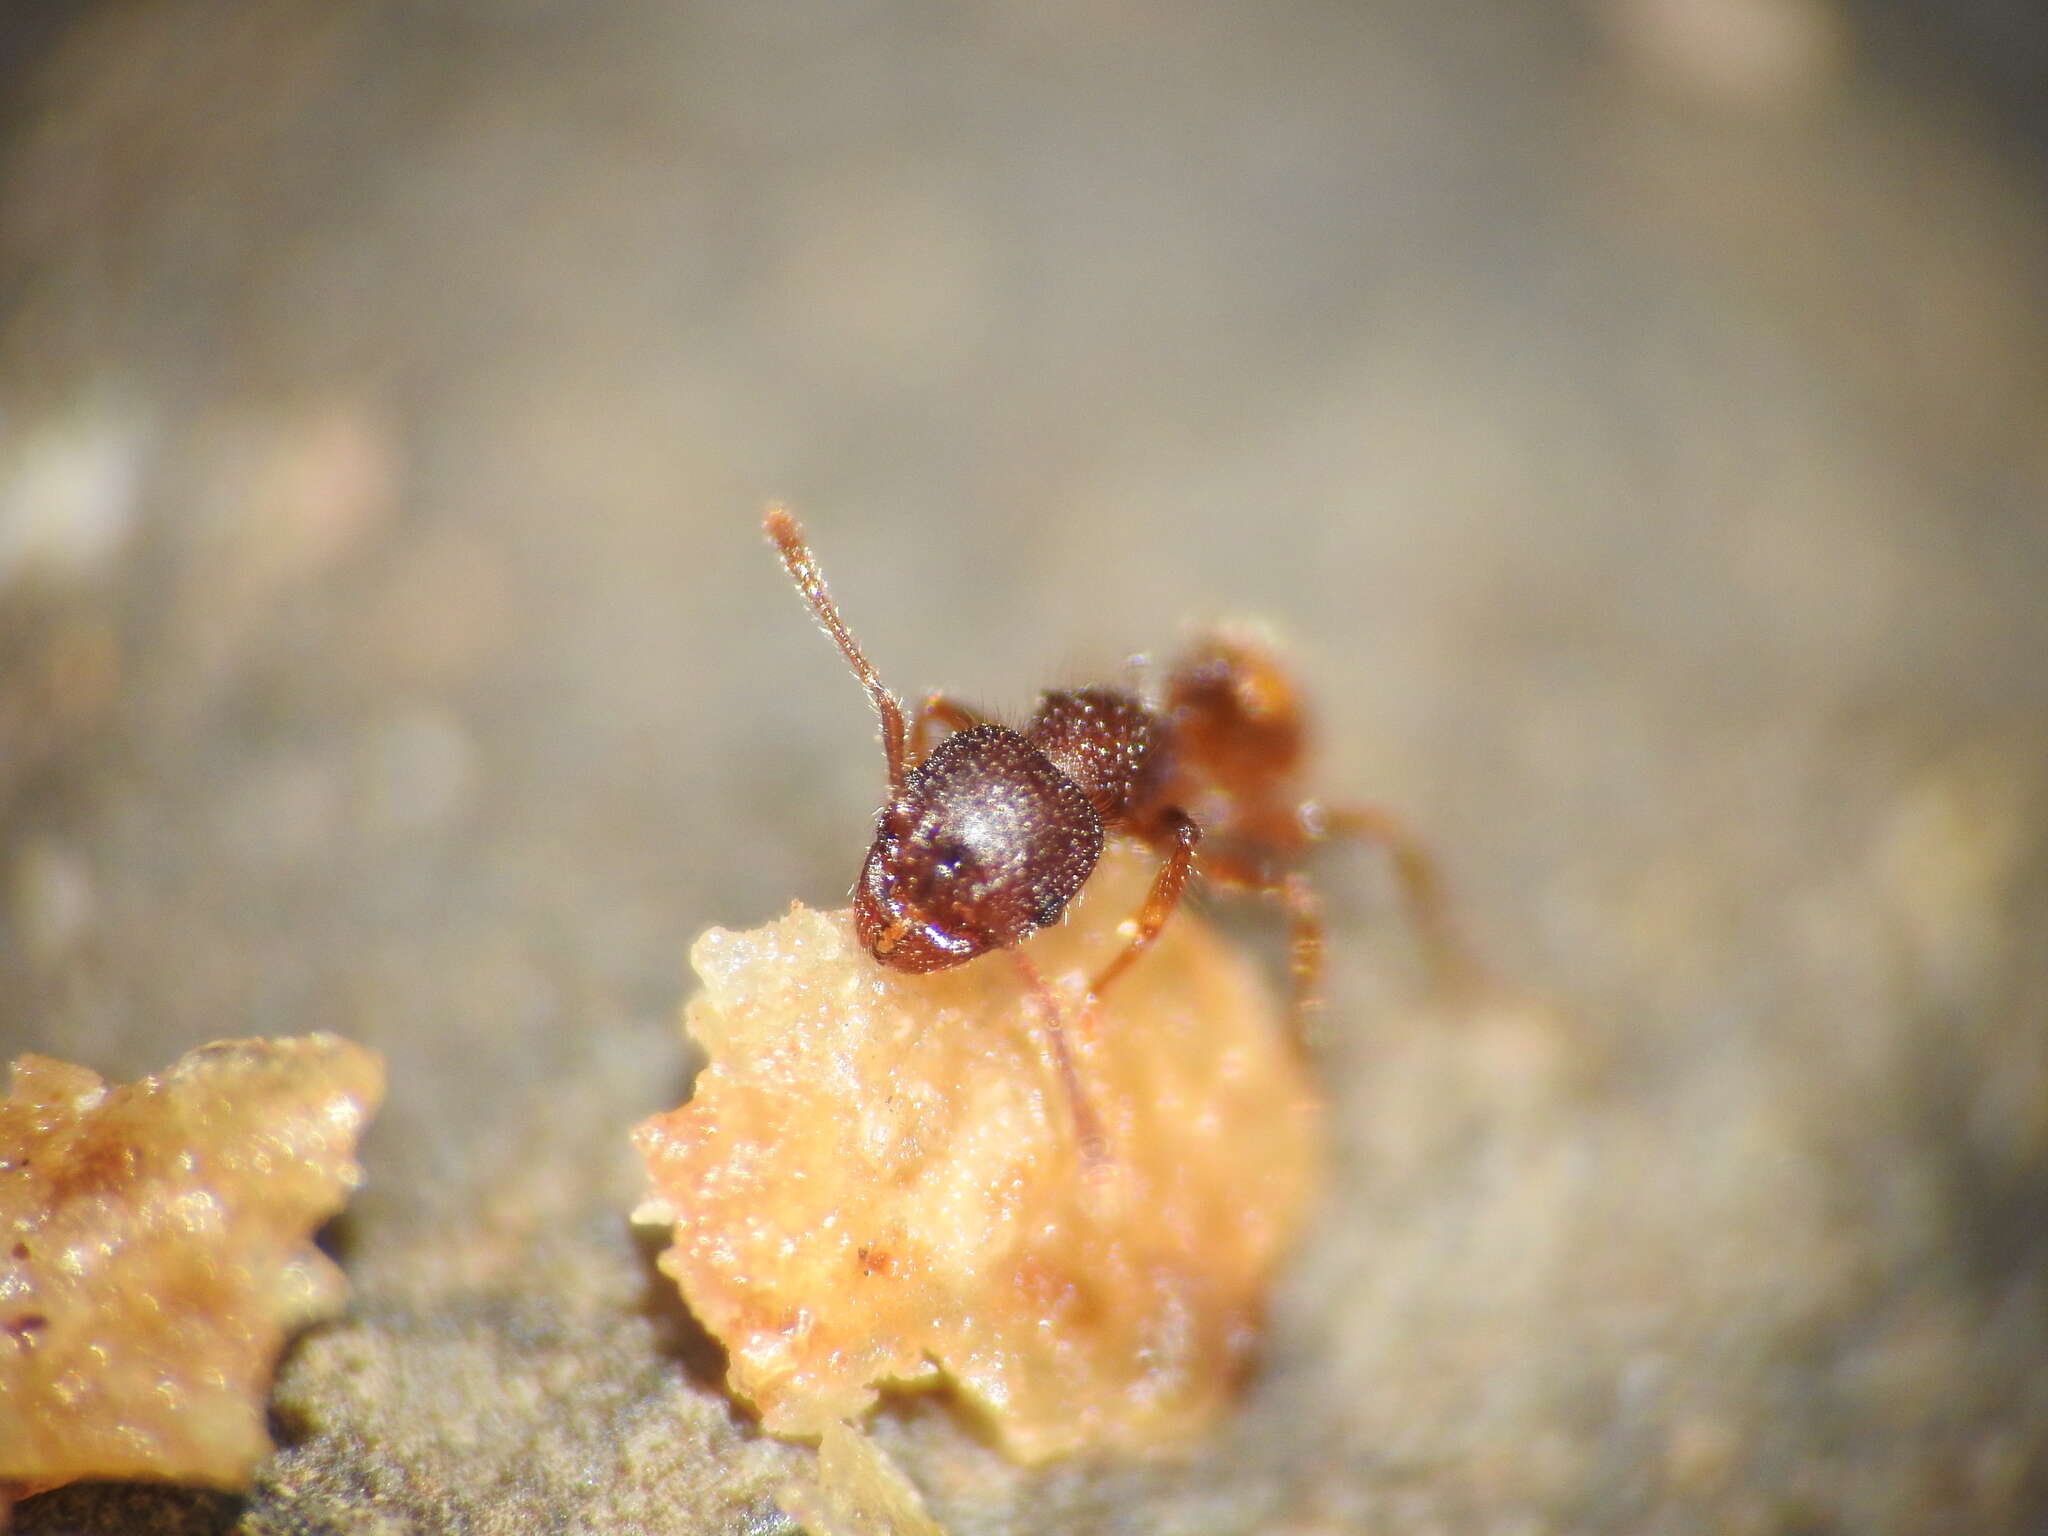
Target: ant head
987, 842
982, 842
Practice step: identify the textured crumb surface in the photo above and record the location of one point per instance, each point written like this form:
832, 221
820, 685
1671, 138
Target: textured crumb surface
156, 1252
878, 1175
855, 1490
1634, 416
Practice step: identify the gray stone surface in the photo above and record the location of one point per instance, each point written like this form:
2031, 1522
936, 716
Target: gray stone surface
1636, 417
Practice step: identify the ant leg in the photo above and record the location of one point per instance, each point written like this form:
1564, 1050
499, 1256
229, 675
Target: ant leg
1422, 883
1087, 1129
1232, 869
1304, 947
950, 713
1167, 886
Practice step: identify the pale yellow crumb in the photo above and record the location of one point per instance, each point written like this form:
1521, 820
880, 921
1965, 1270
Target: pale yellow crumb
155, 1253
878, 1177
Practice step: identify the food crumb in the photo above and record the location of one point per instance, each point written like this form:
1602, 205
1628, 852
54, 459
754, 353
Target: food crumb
878, 1181
155, 1253
858, 1491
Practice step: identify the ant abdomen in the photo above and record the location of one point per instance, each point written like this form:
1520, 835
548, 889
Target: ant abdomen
986, 843
1237, 714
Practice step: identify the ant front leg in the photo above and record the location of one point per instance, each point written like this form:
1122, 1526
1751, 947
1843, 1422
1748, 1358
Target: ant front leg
950, 713
1087, 1129
1165, 895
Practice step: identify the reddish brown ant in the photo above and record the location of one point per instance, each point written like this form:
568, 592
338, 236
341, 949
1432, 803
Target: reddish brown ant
987, 836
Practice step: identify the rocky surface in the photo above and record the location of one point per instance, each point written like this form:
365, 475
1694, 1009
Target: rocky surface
1634, 414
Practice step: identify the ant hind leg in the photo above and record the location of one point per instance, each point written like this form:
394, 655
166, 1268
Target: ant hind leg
1304, 948
1421, 880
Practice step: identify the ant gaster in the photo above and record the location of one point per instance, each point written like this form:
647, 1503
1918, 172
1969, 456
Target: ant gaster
987, 836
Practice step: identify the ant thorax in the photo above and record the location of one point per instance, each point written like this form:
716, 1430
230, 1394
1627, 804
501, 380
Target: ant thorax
1109, 744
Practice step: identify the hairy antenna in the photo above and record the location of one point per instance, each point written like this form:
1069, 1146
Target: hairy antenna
803, 570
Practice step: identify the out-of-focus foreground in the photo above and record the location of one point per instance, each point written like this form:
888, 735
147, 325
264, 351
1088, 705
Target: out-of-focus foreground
1637, 416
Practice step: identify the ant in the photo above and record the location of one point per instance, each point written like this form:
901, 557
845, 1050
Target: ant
987, 836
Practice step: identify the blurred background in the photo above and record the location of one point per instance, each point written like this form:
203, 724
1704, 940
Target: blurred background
1634, 413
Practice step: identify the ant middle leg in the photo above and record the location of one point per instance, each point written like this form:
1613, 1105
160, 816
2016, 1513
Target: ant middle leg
1160, 902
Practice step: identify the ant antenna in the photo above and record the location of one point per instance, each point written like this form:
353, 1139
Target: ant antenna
803, 570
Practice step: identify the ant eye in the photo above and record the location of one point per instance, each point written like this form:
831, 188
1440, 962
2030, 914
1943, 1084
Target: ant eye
948, 859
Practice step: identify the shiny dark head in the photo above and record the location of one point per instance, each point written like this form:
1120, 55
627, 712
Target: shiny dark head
986, 843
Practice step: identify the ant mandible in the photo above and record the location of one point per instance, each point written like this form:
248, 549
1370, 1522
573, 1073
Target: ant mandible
987, 836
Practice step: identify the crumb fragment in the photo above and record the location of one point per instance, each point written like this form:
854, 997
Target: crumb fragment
878, 1180
858, 1491
155, 1252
